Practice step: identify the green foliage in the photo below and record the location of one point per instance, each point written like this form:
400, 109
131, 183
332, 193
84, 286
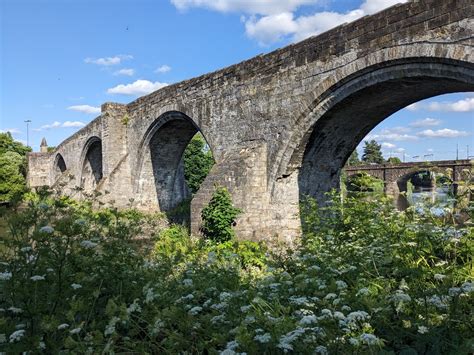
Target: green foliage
12, 168
219, 216
365, 279
353, 159
51, 149
363, 182
198, 161
394, 160
372, 153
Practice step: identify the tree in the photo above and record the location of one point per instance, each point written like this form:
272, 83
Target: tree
353, 159
219, 216
12, 180
198, 161
12, 168
394, 160
372, 153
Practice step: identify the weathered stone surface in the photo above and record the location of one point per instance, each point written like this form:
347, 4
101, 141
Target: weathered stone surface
279, 125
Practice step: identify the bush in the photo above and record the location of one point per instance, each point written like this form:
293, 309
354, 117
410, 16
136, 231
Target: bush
219, 216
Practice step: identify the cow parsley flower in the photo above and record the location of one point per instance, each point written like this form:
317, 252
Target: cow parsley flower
306, 320
195, 310
110, 328
422, 329
75, 331
370, 339
188, 282
63, 326
87, 244
363, 292
341, 285
17, 335
439, 277
47, 229
37, 277
321, 350
4, 276
26, 249
15, 310
76, 286
263, 338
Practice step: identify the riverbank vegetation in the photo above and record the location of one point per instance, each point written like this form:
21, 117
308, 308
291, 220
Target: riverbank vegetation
364, 279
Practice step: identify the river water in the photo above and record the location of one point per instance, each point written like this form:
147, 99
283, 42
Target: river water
437, 199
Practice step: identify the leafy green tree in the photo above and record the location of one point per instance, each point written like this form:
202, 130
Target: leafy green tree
12, 180
198, 161
12, 167
353, 159
219, 216
372, 153
394, 160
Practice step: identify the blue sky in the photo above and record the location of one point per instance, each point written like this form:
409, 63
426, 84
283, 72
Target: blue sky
61, 59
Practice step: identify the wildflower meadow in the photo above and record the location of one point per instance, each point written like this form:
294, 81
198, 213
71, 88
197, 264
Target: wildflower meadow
364, 279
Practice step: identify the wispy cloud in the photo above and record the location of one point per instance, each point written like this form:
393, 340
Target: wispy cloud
125, 71
443, 133
393, 134
273, 20
85, 109
464, 105
427, 122
163, 69
388, 145
11, 130
108, 61
57, 124
139, 87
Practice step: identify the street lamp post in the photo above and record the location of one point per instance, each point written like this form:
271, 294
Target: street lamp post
27, 132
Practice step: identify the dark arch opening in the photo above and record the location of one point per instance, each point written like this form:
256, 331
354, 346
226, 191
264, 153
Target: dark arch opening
351, 109
59, 164
161, 179
92, 171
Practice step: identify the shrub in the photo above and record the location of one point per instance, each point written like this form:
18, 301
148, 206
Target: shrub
219, 216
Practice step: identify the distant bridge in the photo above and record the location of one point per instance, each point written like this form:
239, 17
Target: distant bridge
396, 176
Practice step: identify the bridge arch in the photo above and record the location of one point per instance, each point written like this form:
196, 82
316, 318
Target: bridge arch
159, 181
59, 166
91, 164
349, 109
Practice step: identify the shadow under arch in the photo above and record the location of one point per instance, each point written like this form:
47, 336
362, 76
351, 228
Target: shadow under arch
92, 166
159, 181
349, 110
59, 166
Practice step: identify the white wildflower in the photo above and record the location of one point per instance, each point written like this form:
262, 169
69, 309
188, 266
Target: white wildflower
321, 350
17, 335
26, 249
263, 338
357, 316
80, 222
298, 300
15, 310
134, 307
76, 286
341, 285
468, 287
286, 340
87, 244
439, 277
187, 282
422, 329
225, 296
159, 324
110, 328
195, 310
63, 326
49, 270
330, 296
306, 320
370, 339
245, 309
37, 278
75, 331
3, 338
47, 229
4, 276
363, 292
354, 341
218, 319
454, 291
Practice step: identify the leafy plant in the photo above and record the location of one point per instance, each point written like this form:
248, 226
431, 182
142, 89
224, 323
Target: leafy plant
219, 216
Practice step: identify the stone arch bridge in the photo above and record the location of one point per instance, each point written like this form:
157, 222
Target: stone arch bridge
396, 176
279, 125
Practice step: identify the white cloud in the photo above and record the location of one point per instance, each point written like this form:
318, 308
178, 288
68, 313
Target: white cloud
388, 145
163, 69
11, 130
85, 109
57, 124
427, 122
69, 124
125, 71
262, 7
108, 61
443, 133
274, 20
139, 87
393, 134
464, 105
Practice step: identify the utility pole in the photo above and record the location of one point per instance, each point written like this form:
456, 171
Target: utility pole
457, 151
27, 132
467, 149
